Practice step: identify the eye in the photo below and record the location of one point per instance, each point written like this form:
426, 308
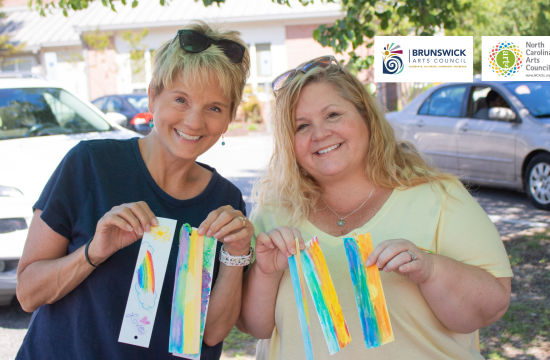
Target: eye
181, 100
332, 115
301, 127
216, 109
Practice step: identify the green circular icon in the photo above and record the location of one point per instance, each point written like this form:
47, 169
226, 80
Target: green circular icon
506, 58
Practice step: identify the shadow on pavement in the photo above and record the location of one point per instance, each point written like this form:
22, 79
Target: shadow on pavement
13, 317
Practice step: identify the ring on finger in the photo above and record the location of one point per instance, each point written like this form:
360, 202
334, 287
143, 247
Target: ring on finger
413, 257
243, 219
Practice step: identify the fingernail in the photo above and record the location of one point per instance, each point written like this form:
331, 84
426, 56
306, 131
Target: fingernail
228, 238
302, 246
129, 227
148, 228
401, 269
209, 233
154, 221
368, 262
293, 250
140, 230
272, 246
200, 231
217, 235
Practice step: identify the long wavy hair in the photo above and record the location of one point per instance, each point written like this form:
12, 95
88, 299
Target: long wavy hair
287, 189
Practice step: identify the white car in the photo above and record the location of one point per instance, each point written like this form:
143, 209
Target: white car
39, 123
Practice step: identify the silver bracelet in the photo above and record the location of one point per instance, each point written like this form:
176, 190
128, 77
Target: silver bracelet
230, 260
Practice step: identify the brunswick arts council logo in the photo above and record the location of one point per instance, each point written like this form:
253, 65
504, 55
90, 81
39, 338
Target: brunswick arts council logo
505, 59
392, 61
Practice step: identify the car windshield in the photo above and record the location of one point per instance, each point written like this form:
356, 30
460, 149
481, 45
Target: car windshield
139, 102
45, 111
535, 96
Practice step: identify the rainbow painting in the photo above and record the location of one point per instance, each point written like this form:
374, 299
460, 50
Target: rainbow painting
146, 274
369, 295
297, 276
192, 286
324, 297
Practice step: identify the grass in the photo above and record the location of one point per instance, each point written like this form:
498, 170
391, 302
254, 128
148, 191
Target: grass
524, 331
252, 127
238, 345
234, 126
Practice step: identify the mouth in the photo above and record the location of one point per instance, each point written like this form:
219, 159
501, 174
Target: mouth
329, 149
187, 137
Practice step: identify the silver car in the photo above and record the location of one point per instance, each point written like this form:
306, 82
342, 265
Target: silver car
489, 133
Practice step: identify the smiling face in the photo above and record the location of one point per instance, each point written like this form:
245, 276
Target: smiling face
189, 121
331, 139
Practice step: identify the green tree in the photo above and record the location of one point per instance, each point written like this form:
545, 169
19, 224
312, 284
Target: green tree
7, 46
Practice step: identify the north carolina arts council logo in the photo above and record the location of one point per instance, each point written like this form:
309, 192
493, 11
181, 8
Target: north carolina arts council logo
505, 58
392, 62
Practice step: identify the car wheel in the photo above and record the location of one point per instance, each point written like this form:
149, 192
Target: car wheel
537, 181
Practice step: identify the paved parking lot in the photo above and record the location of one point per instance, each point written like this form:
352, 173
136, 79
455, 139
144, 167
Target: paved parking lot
241, 160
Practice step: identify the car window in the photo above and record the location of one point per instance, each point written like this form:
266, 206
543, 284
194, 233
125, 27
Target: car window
139, 103
99, 103
113, 105
481, 99
45, 111
535, 96
444, 102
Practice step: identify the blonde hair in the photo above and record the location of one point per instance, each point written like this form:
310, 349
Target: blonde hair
389, 164
196, 69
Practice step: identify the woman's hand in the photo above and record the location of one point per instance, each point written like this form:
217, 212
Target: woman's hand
120, 227
392, 255
231, 227
274, 248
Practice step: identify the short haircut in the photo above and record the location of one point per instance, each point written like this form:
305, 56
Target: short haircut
491, 96
196, 69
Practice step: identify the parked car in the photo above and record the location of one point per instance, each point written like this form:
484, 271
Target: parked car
39, 123
489, 133
132, 106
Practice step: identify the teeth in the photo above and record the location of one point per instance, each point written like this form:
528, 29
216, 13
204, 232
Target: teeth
328, 149
187, 137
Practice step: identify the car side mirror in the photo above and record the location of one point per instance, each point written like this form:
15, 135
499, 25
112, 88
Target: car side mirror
500, 113
116, 118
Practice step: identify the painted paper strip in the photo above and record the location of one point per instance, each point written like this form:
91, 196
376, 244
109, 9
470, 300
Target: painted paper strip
369, 294
297, 276
324, 297
141, 307
192, 286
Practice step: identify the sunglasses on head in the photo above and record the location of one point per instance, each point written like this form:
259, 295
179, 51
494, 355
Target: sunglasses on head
195, 42
284, 79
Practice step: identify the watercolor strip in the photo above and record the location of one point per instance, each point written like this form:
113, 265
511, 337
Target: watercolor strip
297, 276
369, 295
324, 297
148, 278
192, 287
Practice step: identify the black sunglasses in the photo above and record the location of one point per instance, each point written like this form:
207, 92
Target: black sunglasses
195, 42
324, 62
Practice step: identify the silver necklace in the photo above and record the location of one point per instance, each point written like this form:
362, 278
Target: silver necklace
341, 222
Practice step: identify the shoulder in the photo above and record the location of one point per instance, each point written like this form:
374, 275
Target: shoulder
108, 146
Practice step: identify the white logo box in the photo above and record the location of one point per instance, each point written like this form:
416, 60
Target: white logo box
530, 55
423, 58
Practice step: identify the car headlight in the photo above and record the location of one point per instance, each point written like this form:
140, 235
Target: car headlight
9, 225
10, 191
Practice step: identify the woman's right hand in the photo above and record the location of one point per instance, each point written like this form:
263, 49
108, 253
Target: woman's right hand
274, 248
120, 227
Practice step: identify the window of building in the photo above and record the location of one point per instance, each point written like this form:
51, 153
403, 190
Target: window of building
19, 64
263, 59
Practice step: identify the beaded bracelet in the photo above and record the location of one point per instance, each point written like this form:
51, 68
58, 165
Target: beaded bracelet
230, 260
88, 258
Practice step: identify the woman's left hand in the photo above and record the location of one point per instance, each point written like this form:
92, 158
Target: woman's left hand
392, 255
231, 227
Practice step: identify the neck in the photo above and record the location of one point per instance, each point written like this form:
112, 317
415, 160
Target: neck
347, 192
168, 171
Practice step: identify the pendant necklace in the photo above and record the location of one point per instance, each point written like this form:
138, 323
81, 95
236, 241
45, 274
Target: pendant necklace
341, 222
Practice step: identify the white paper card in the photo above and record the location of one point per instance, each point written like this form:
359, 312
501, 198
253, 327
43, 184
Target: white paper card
423, 58
141, 308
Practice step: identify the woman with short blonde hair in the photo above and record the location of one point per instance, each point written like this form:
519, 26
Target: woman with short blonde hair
337, 169
79, 259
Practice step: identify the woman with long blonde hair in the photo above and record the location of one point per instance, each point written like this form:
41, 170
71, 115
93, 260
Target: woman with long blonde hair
337, 169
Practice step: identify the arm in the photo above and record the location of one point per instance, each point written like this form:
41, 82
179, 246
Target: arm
225, 299
46, 273
261, 282
463, 297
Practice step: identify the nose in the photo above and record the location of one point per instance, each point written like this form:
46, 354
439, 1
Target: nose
193, 120
320, 132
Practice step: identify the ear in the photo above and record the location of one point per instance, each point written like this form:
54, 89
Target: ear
151, 95
226, 126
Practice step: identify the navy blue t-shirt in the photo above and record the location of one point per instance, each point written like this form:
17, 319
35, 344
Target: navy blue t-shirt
94, 177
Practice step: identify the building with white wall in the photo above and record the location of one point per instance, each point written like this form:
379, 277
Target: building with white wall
279, 37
